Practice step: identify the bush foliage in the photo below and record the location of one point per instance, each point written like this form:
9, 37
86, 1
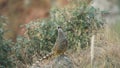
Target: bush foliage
78, 23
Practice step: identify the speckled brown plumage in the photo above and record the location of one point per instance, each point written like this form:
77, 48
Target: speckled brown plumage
60, 45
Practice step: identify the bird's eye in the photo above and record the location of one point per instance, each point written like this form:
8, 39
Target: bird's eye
59, 27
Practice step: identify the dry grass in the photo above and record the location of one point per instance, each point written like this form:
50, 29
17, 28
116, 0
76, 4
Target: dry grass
106, 52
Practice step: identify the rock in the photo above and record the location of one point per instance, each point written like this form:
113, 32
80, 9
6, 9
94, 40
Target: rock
62, 61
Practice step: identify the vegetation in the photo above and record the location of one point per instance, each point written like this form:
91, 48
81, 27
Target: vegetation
79, 23
116, 27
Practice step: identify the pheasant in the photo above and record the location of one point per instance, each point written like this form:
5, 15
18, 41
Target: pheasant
60, 45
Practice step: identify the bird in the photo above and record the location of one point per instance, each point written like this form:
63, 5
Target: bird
60, 45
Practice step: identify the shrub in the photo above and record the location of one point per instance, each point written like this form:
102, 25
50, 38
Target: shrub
5, 48
78, 28
78, 23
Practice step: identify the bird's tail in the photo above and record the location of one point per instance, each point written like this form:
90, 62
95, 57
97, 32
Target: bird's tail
47, 56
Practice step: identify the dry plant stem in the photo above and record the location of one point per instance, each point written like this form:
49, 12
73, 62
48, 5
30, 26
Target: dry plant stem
92, 51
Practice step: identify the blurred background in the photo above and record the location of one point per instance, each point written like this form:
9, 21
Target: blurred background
28, 31
22, 12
